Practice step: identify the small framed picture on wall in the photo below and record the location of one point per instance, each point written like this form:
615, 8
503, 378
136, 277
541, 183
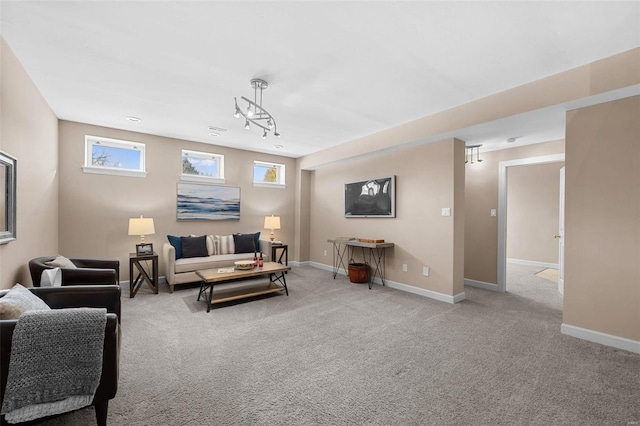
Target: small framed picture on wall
145, 249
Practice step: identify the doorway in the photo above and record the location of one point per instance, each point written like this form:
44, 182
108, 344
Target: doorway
502, 208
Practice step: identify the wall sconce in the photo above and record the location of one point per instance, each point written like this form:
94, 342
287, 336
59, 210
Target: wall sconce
468, 153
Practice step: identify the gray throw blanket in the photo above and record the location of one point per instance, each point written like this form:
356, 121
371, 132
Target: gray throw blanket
56, 362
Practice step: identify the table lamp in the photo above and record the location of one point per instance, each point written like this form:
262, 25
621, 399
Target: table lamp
272, 222
141, 226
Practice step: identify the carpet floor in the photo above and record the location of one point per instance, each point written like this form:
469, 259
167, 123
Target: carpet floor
336, 353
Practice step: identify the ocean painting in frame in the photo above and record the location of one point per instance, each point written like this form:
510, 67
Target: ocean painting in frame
208, 202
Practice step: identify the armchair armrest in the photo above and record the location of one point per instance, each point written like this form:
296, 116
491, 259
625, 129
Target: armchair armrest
88, 276
98, 264
81, 296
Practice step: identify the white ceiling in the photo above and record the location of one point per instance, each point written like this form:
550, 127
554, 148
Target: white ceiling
336, 70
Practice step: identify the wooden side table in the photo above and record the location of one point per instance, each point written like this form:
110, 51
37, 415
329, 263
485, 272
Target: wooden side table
283, 253
143, 275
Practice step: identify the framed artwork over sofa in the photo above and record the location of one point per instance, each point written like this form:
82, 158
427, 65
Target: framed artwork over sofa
208, 202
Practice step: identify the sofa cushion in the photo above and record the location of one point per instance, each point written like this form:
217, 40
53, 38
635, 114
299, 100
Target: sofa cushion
210, 262
19, 300
176, 242
194, 246
244, 243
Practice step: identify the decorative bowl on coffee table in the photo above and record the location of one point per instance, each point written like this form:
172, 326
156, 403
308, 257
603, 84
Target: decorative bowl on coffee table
244, 264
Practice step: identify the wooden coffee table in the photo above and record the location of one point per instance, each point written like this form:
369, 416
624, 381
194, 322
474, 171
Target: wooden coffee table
235, 289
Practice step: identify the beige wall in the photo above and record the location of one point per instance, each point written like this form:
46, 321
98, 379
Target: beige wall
28, 132
481, 195
602, 245
533, 206
428, 178
95, 209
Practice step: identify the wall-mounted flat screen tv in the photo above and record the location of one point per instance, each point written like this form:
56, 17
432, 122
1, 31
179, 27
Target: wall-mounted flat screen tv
370, 198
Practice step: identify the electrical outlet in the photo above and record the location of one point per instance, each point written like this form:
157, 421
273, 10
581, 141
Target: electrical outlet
446, 211
325, 253
425, 271
493, 213
404, 267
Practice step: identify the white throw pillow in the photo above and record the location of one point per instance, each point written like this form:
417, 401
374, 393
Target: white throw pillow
51, 278
211, 248
227, 246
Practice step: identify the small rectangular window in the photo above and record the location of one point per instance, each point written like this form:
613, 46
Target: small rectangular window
112, 156
202, 166
268, 174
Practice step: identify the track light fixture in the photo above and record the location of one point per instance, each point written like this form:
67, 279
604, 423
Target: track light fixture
254, 113
468, 154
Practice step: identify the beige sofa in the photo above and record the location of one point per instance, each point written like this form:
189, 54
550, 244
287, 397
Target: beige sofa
181, 271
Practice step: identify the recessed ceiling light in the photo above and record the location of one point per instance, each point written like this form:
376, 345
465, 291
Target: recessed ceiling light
214, 134
278, 146
134, 119
511, 140
216, 129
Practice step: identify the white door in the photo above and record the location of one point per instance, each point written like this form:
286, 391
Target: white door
560, 236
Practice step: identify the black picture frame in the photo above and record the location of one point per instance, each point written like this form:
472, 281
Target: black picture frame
370, 198
144, 249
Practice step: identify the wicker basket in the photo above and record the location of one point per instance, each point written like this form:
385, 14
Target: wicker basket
358, 272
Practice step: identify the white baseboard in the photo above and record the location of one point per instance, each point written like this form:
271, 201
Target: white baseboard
481, 284
296, 263
533, 263
601, 338
161, 280
401, 286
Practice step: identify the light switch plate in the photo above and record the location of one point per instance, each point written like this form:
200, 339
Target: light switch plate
446, 211
493, 213
425, 271
404, 267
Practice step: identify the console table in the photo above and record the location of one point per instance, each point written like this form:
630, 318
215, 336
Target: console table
377, 251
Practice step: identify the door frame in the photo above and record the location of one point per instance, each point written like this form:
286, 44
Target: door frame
502, 208
561, 232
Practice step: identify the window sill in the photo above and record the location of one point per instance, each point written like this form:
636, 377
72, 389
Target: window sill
269, 185
207, 179
116, 172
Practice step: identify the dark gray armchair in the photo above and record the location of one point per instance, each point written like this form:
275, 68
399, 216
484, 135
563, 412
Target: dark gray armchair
87, 271
91, 296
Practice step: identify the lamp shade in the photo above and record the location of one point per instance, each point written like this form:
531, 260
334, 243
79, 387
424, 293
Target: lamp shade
141, 226
272, 222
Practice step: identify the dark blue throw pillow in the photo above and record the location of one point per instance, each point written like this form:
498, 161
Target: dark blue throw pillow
176, 242
256, 240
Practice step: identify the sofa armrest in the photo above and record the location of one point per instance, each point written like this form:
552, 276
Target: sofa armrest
265, 249
169, 260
